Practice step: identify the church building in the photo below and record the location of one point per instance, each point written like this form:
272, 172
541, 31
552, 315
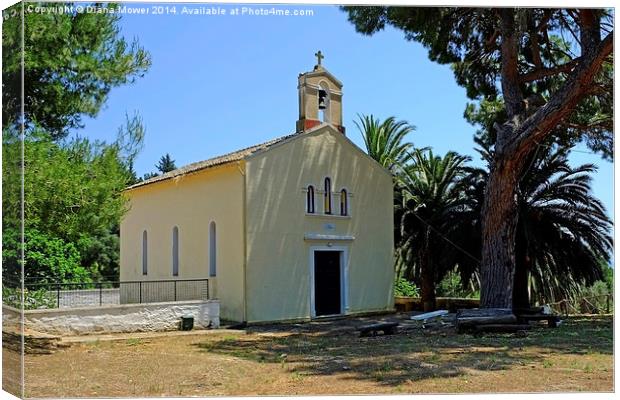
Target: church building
296, 228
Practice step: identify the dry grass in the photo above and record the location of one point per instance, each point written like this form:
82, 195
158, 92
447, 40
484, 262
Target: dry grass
577, 356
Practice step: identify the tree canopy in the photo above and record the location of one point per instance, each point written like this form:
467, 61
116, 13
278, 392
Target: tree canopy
72, 187
385, 140
545, 47
166, 164
72, 194
563, 236
535, 74
433, 208
432, 211
71, 62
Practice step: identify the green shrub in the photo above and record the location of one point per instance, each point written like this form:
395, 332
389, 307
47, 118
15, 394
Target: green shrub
33, 299
47, 259
593, 299
452, 286
404, 288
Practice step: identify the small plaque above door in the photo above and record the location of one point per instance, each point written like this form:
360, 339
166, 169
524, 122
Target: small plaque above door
324, 236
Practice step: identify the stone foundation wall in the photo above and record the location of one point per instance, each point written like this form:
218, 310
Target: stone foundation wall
10, 315
121, 318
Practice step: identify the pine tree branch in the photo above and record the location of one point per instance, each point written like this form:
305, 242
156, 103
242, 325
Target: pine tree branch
536, 127
535, 50
545, 72
544, 22
490, 43
589, 23
567, 26
513, 97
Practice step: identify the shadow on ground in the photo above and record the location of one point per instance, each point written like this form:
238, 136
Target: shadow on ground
333, 347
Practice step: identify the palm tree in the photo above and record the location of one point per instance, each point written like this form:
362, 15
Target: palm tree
433, 211
563, 232
385, 140
385, 143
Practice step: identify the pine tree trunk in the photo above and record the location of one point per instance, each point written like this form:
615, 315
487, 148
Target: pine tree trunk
516, 138
499, 225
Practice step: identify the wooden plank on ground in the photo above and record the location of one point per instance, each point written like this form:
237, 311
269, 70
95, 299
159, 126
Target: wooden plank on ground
469, 318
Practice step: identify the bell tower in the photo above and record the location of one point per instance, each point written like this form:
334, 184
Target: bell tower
320, 98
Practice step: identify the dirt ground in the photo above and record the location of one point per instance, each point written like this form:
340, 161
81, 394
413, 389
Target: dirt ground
11, 371
329, 358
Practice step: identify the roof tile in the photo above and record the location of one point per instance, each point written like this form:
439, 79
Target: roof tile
212, 162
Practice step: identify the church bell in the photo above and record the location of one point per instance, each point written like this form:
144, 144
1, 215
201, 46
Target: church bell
322, 96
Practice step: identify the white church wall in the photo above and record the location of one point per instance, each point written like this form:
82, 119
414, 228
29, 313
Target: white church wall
189, 203
278, 270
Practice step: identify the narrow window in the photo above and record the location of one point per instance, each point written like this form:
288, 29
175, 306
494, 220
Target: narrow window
310, 200
344, 205
145, 268
327, 206
175, 251
212, 249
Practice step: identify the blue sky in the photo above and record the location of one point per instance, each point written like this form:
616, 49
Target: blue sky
220, 83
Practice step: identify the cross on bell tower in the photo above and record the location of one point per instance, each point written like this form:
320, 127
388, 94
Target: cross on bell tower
320, 98
319, 56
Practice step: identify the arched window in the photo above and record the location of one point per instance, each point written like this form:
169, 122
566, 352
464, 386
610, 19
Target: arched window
175, 251
145, 266
212, 249
327, 203
310, 200
344, 205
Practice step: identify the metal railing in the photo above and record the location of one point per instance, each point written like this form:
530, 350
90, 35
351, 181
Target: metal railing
169, 290
92, 294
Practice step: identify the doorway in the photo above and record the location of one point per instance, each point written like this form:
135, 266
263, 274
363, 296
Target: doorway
327, 282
